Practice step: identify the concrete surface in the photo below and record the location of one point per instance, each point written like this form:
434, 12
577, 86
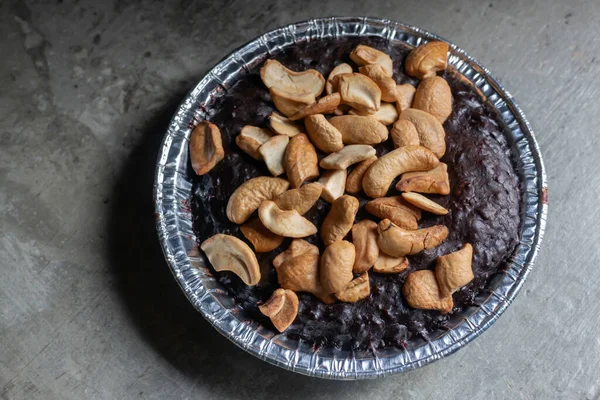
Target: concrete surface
88, 308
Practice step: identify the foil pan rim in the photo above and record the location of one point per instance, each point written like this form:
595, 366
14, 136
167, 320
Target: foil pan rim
174, 225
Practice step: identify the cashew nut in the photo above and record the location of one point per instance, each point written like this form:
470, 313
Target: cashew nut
228, 253
364, 238
385, 83
430, 130
358, 91
365, 55
274, 74
434, 97
334, 183
272, 153
386, 115
340, 69
390, 265
301, 199
251, 138
324, 135
356, 290
347, 156
247, 197
206, 149
427, 59
354, 180
397, 242
382, 172
261, 238
339, 220
404, 133
282, 125
300, 274
454, 270
325, 105
286, 223
289, 103
297, 248
281, 308
358, 129
397, 210
404, 97
433, 181
336, 266
297, 269
418, 200
300, 160
421, 290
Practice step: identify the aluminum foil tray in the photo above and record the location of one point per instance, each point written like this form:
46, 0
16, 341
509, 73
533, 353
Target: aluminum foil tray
174, 220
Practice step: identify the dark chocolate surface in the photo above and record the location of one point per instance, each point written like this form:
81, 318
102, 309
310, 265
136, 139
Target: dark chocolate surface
485, 208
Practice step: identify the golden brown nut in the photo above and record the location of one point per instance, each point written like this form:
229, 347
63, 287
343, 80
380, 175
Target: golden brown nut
454, 270
433, 181
336, 266
251, 138
324, 135
382, 172
281, 308
358, 129
365, 55
248, 196
386, 84
282, 125
340, 69
334, 183
297, 248
274, 304
404, 133
325, 105
390, 265
418, 200
431, 133
275, 75
272, 153
398, 242
356, 290
354, 180
339, 220
300, 160
358, 91
386, 115
286, 223
261, 238
301, 199
347, 156
397, 210
289, 103
427, 59
364, 239
422, 291
228, 253
206, 149
434, 97
300, 274
404, 97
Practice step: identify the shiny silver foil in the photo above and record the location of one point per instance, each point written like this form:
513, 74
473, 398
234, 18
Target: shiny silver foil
172, 193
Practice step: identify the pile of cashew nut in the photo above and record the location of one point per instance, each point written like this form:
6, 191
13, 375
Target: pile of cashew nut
270, 208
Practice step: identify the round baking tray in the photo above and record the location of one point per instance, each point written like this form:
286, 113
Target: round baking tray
174, 219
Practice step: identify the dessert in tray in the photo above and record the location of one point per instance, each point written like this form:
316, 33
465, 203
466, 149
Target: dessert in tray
354, 193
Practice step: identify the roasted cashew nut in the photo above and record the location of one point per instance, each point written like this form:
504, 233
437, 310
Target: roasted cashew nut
382, 172
398, 242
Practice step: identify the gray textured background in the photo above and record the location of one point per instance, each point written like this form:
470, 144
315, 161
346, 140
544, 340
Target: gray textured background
88, 308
